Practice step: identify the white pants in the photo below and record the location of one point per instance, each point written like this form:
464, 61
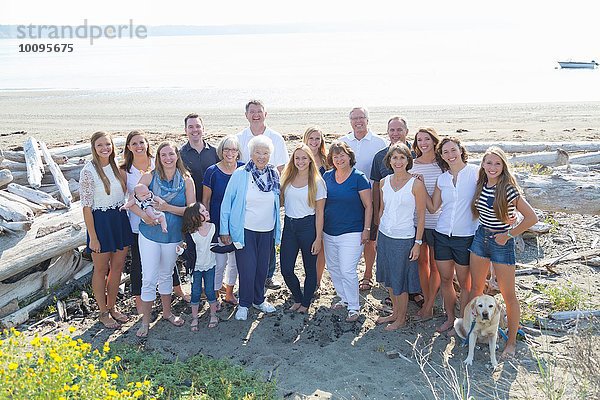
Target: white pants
226, 268
158, 261
342, 254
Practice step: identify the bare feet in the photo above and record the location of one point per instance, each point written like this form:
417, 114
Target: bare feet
399, 323
445, 326
295, 307
384, 320
509, 351
302, 310
338, 306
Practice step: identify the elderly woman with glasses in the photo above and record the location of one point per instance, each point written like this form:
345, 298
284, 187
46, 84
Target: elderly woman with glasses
250, 220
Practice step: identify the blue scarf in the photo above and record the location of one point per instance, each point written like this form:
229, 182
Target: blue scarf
160, 188
271, 175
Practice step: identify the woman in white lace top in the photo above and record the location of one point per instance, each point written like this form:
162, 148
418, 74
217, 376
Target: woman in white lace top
102, 191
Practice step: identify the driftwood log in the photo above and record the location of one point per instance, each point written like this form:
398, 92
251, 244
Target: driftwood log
6, 177
83, 149
59, 179
58, 270
532, 147
15, 227
20, 177
19, 157
21, 166
13, 211
35, 196
562, 192
20, 252
35, 208
33, 159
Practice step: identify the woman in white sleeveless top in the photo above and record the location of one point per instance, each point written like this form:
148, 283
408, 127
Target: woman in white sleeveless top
398, 242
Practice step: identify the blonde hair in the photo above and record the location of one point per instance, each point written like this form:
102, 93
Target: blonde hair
505, 181
322, 152
179, 164
291, 171
111, 161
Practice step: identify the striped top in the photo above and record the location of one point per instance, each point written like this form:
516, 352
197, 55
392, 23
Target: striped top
485, 206
430, 172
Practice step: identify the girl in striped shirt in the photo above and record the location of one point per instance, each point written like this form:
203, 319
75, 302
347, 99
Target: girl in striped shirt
496, 200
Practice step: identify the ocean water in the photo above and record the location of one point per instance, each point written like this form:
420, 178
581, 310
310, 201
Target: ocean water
313, 70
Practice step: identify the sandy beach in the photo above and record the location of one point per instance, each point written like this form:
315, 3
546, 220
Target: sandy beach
320, 351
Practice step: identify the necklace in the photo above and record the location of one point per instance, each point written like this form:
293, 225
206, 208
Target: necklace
400, 182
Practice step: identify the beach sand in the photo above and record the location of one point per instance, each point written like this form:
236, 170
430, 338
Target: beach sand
321, 350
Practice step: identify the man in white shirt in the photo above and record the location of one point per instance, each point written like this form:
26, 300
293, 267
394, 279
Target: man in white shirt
256, 115
365, 145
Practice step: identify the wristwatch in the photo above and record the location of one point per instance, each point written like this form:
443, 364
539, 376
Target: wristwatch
419, 242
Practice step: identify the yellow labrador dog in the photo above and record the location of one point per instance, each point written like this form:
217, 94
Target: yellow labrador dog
480, 322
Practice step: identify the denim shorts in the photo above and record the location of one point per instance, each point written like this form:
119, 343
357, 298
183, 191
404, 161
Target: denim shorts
485, 246
454, 248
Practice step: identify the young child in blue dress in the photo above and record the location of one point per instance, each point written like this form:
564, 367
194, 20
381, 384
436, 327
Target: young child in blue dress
199, 232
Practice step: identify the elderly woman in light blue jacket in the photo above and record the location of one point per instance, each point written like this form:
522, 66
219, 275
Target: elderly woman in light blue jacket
250, 220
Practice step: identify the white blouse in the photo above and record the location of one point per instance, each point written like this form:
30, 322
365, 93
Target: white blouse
133, 178
91, 189
296, 200
456, 218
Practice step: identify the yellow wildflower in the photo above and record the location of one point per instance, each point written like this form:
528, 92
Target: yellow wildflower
137, 393
117, 358
12, 366
71, 329
138, 385
103, 373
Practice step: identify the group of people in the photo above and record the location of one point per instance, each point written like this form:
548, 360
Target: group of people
417, 210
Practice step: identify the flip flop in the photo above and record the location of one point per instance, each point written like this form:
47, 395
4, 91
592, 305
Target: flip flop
213, 322
194, 325
365, 284
108, 321
176, 321
413, 298
118, 316
419, 318
142, 332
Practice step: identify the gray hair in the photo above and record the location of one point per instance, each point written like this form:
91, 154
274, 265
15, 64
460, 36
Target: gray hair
260, 141
363, 109
231, 139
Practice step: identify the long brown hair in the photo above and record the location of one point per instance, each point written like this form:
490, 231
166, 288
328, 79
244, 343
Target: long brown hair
291, 171
128, 154
505, 181
435, 138
179, 164
322, 152
111, 161
192, 218
464, 156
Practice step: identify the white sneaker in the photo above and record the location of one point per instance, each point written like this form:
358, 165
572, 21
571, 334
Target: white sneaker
241, 313
265, 307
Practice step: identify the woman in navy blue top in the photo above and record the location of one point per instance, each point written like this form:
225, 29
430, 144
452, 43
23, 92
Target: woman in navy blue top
216, 178
348, 211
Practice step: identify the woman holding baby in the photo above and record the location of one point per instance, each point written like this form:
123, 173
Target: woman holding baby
138, 160
174, 187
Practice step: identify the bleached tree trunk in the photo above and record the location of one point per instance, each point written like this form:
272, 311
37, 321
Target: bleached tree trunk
33, 159
59, 179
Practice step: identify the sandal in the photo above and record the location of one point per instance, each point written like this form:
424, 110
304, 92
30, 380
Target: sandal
415, 296
108, 321
213, 322
338, 306
118, 316
352, 316
388, 302
142, 332
194, 324
176, 321
365, 284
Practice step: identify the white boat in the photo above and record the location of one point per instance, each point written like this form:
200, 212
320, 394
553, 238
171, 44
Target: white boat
578, 64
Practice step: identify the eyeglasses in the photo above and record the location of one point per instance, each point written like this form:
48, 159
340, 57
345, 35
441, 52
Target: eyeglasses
357, 118
226, 150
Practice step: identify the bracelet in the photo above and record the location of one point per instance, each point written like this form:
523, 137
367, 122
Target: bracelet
509, 235
367, 229
419, 242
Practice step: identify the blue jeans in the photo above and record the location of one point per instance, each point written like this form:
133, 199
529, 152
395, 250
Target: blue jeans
253, 263
299, 235
272, 262
209, 285
484, 245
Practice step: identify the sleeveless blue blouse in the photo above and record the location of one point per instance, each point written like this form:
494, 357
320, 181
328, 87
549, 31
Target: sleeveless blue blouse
174, 222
